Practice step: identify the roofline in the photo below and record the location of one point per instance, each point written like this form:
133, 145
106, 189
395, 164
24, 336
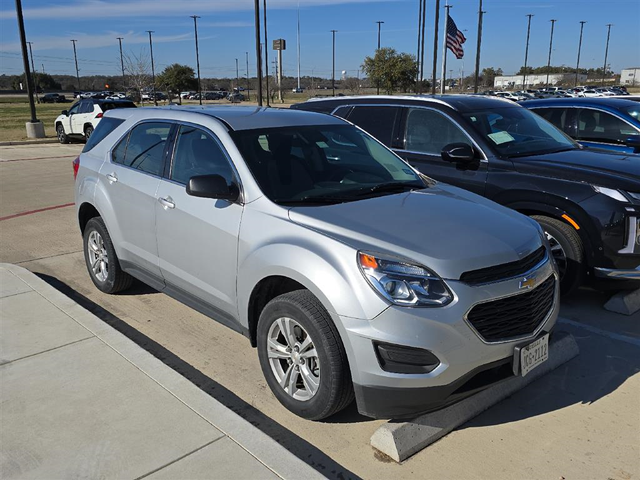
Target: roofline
423, 98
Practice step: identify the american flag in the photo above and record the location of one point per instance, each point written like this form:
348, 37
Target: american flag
455, 39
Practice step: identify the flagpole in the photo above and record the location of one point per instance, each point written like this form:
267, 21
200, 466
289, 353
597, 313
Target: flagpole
434, 72
444, 49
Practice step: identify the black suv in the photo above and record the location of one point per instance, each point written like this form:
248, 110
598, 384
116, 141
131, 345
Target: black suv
587, 201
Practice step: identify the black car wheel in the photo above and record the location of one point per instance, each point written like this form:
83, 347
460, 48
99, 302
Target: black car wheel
62, 136
88, 130
567, 251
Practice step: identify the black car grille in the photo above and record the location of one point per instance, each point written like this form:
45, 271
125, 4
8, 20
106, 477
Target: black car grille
504, 271
515, 316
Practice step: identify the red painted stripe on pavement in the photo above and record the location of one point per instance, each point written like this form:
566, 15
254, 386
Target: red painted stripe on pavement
37, 158
30, 212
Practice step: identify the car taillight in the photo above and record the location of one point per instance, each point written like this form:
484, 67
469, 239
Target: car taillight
76, 166
99, 115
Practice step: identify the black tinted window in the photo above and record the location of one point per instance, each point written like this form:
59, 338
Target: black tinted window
111, 105
104, 128
143, 148
602, 127
86, 106
429, 132
197, 153
556, 116
377, 121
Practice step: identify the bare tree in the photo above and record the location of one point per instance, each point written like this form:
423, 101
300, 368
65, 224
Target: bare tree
352, 84
138, 71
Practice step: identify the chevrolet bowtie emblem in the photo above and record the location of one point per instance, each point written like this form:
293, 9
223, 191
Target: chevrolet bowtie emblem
527, 283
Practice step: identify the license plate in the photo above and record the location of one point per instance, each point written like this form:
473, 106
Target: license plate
534, 354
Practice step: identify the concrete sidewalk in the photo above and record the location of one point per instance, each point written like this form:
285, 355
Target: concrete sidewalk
80, 400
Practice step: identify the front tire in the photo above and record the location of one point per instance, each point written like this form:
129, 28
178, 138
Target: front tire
101, 259
60, 133
302, 356
567, 250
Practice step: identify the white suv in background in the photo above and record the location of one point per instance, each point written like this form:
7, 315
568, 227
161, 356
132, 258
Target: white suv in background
83, 117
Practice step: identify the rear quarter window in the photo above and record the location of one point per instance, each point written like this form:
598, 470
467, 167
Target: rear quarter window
104, 128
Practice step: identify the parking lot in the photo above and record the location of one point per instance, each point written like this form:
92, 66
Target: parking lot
581, 421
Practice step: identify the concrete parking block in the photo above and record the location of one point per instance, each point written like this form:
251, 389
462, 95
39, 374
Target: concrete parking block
35, 325
11, 285
400, 440
626, 303
91, 414
212, 461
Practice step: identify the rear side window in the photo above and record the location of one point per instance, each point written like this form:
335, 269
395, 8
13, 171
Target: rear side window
104, 128
143, 148
602, 127
86, 106
377, 121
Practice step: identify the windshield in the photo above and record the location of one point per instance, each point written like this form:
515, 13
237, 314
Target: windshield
515, 131
633, 111
323, 164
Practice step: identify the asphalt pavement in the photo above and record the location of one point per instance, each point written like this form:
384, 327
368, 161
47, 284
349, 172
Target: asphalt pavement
581, 421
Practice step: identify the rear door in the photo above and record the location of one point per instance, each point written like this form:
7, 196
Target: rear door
85, 110
600, 129
131, 179
198, 237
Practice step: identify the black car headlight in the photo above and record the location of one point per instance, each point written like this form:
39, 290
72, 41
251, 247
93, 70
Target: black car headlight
403, 283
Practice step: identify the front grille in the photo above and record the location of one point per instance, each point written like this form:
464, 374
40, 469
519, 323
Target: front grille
504, 271
514, 316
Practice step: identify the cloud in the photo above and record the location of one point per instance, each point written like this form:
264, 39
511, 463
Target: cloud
154, 8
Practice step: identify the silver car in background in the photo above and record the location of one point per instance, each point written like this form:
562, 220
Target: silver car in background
352, 273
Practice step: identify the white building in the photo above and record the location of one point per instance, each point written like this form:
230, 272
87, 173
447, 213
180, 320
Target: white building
515, 81
630, 76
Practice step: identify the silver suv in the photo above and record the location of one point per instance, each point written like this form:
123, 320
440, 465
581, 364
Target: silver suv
352, 273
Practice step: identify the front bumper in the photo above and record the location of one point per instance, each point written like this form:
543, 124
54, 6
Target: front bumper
468, 362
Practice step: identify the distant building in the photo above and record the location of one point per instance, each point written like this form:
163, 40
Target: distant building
630, 76
515, 81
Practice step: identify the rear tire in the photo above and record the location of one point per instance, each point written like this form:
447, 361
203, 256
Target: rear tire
567, 250
329, 390
88, 131
62, 136
101, 259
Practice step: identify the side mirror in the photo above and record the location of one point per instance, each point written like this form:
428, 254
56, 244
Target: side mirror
212, 186
458, 153
633, 141
65, 113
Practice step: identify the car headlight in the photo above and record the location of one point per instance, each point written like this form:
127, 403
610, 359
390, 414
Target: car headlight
402, 283
611, 193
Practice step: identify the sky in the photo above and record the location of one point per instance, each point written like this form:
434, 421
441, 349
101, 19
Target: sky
226, 32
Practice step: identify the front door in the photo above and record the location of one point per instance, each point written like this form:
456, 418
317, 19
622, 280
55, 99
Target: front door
426, 133
598, 129
198, 237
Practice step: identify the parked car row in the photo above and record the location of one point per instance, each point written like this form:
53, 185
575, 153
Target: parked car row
403, 251
558, 92
233, 96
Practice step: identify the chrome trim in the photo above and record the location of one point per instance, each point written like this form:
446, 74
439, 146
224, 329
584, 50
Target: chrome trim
421, 98
621, 274
524, 337
533, 269
633, 233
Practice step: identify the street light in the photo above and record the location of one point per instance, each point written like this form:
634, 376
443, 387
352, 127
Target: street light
75, 56
526, 54
606, 53
379, 22
248, 86
333, 68
553, 22
195, 28
582, 22
153, 69
124, 80
33, 72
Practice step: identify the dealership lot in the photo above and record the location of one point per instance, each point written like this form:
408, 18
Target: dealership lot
580, 421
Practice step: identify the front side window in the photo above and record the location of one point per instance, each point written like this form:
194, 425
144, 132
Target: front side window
323, 164
556, 116
597, 126
197, 153
377, 121
516, 131
429, 132
143, 148
74, 109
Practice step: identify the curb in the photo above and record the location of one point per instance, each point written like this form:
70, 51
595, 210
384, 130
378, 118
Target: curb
265, 449
400, 440
28, 142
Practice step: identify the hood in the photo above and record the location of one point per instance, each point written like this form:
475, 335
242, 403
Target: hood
605, 169
444, 228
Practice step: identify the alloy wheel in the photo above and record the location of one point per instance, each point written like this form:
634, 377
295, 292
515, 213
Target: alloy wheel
558, 253
293, 359
60, 133
98, 257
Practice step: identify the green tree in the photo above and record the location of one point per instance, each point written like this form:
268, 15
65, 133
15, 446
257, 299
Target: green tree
177, 78
391, 70
489, 73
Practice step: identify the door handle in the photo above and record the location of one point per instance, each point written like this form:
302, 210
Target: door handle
167, 202
112, 177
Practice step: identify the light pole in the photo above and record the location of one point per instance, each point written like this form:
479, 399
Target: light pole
420, 43
33, 72
237, 77
477, 72
606, 53
582, 22
75, 56
526, 54
153, 69
124, 79
38, 129
266, 52
379, 22
298, 25
333, 63
553, 22
248, 86
195, 29
256, 11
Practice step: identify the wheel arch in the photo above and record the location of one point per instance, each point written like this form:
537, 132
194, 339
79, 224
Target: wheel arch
86, 212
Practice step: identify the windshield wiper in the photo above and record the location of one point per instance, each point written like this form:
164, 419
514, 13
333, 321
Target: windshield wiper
315, 200
389, 187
